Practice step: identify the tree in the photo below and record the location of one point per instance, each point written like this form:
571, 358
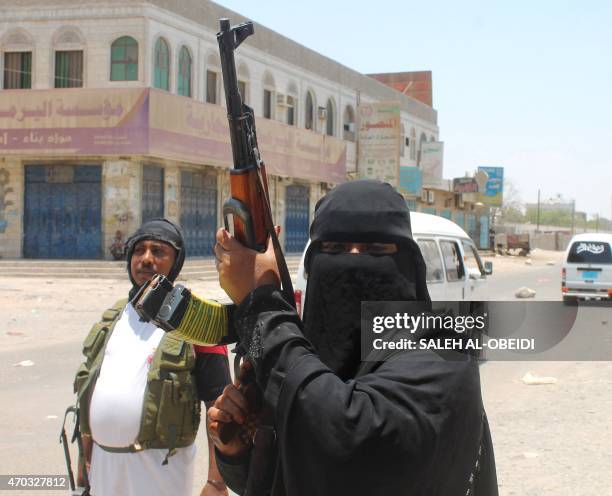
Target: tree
512, 209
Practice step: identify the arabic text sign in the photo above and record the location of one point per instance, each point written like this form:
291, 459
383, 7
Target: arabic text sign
493, 194
465, 185
432, 159
196, 131
145, 121
595, 248
379, 141
79, 121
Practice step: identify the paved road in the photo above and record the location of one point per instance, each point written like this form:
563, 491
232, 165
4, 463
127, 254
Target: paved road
550, 440
544, 279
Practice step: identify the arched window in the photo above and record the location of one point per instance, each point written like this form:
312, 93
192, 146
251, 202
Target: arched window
124, 59
348, 123
213, 64
412, 144
268, 96
432, 138
161, 65
17, 46
330, 118
291, 103
69, 46
184, 72
243, 82
309, 112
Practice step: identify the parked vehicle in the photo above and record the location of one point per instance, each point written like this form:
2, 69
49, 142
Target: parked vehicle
587, 267
455, 271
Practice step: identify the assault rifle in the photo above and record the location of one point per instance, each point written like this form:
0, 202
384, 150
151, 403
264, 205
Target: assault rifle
249, 205
248, 212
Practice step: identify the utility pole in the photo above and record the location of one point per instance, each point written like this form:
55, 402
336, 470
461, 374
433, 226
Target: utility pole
538, 214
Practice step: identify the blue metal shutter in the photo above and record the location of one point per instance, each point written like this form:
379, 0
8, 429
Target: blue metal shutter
471, 226
460, 219
297, 206
152, 192
484, 232
63, 219
199, 212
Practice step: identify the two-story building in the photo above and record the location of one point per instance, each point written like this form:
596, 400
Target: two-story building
112, 112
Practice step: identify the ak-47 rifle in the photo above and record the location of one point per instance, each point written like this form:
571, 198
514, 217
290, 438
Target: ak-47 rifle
249, 204
249, 207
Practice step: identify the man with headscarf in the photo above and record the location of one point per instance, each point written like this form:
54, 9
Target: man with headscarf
412, 425
140, 410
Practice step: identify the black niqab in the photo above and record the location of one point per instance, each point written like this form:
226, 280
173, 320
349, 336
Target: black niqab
359, 211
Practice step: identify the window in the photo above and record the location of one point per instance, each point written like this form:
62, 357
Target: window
242, 90
124, 59
472, 259
422, 140
290, 110
69, 69
590, 252
17, 70
184, 72
348, 124
161, 77
452, 260
412, 205
330, 123
433, 262
243, 76
309, 112
267, 104
402, 141
412, 144
211, 87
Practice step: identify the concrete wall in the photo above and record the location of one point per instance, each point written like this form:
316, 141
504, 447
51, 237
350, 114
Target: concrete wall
11, 208
550, 241
121, 195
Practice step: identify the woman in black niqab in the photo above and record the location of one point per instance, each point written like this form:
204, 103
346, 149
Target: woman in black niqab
412, 425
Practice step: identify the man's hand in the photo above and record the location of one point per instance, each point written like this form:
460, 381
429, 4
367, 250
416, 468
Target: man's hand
241, 269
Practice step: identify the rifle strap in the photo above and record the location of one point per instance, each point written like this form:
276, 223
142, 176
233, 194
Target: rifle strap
287, 286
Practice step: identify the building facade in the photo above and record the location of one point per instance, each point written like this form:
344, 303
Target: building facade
112, 113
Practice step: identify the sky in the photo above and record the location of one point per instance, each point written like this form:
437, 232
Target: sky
524, 85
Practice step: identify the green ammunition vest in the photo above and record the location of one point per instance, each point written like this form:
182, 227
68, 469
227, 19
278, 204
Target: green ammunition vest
171, 408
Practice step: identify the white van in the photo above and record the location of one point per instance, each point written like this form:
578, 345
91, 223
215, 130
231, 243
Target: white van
455, 271
587, 267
